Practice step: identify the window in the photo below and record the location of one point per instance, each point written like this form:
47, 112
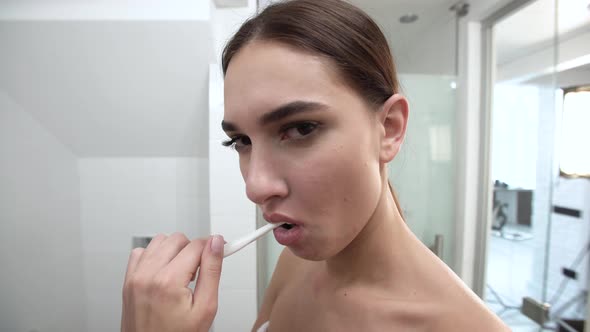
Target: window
575, 137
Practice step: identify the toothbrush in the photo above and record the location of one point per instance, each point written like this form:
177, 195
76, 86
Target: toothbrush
235, 246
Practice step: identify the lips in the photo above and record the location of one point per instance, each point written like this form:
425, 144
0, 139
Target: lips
289, 233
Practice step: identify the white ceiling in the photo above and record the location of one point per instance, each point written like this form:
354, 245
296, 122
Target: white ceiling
579, 76
230, 3
533, 27
105, 9
426, 46
413, 44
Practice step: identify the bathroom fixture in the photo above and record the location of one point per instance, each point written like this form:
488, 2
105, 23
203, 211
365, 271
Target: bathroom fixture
408, 18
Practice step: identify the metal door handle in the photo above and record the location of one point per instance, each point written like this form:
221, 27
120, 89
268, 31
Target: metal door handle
437, 247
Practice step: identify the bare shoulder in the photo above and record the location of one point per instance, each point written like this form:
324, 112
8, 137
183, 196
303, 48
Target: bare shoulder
455, 307
443, 302
466, 312
283, 274
474, 319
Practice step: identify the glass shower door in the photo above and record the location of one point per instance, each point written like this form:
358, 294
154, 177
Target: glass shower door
537, 261
423, 172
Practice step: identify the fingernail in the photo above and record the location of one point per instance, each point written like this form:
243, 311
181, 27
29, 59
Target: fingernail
217, 244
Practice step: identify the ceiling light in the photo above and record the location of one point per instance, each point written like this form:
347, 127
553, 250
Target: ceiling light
408, 18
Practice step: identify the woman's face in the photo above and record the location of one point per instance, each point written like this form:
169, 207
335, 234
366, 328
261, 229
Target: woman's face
309, 146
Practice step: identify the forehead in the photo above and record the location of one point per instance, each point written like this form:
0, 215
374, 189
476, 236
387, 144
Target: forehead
265, 74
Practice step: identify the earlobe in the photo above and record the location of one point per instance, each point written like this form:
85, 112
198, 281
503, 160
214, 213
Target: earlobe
394, 120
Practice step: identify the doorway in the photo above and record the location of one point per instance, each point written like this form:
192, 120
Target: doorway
537, 219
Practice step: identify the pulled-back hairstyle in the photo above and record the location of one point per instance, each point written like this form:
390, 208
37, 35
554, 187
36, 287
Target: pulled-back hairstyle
334, 29
338, 31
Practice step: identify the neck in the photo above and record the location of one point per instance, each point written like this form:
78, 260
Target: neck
380, 250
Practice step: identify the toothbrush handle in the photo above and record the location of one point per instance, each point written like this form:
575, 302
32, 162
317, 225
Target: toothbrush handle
237, 245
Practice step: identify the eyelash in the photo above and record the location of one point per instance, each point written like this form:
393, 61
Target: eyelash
233, 141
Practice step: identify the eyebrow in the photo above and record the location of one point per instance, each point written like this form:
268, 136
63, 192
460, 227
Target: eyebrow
280, 113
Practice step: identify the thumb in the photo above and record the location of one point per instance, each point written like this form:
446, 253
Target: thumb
207, 287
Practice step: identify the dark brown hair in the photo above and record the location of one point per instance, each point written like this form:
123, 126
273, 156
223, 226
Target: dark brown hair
337, 30
334, 29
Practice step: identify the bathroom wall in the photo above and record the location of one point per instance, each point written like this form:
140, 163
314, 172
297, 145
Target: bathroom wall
42, 284
125, 197
66, 224
67, 219
569, 237
528, 157
423, 173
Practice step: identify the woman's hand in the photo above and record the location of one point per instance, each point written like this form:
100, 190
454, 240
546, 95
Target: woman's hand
156, 293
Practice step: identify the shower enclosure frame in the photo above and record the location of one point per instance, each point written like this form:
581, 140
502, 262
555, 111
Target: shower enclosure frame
484, 211
483, 159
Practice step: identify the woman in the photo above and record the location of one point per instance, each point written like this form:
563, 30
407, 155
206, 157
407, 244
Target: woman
313, 110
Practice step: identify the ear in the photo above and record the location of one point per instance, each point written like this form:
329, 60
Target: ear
393, 120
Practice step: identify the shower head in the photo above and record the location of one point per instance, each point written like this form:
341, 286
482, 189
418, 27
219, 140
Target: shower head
460, 8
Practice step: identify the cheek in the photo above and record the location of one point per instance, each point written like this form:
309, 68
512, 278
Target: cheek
342, 182
337, 196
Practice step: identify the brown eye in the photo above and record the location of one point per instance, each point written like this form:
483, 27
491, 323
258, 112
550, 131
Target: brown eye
299, 130
242, 142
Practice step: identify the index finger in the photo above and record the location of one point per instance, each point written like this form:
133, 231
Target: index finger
184, 266
133, 260
207, 288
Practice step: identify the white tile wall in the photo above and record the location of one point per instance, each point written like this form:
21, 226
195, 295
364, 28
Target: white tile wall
42, 273
237, 312
229, 189
567, 235
239, 270
423, 173
520, 270
125, 197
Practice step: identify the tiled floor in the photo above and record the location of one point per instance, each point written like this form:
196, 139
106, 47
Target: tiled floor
509, 273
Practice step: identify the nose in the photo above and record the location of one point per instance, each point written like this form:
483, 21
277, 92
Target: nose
263, 177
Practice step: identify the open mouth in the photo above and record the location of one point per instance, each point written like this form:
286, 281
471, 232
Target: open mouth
288, 233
